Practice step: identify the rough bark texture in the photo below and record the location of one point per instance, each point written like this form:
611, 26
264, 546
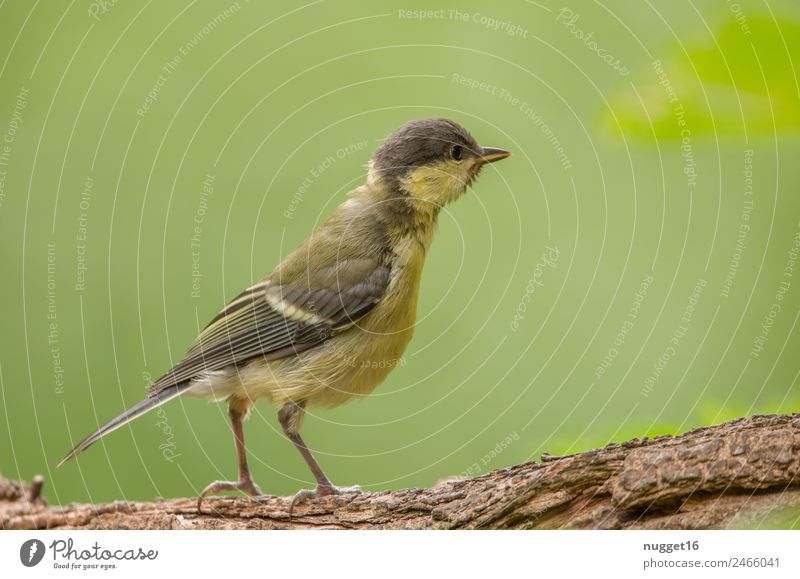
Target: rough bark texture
730, 475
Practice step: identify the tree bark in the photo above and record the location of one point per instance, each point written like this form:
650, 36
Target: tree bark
732, 475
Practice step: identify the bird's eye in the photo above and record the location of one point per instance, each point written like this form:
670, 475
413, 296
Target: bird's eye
456, 152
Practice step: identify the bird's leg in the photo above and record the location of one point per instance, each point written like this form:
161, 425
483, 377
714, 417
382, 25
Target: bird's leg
291, 417
245, 482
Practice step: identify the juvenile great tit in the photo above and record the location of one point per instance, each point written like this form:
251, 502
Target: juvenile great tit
331, 321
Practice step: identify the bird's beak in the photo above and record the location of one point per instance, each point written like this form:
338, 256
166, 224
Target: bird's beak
490, 155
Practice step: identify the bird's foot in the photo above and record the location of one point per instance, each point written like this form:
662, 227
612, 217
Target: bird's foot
245, 485
321, 491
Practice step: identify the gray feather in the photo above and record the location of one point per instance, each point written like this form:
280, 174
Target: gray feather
131, 413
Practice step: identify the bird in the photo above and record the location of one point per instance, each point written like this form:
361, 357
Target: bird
332, 320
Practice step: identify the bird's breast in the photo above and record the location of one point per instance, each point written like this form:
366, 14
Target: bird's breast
360, 359
354, 362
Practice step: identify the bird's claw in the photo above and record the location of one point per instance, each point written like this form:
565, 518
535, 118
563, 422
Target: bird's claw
216, 487
321, 491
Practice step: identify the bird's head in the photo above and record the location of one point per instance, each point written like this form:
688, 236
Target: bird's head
430, 162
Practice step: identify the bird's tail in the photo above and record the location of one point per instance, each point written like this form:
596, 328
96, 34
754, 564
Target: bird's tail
131, 413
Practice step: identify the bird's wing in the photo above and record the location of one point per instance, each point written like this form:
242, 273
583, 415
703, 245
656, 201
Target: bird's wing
279, 317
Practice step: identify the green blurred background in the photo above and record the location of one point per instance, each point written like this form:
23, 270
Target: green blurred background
628, 272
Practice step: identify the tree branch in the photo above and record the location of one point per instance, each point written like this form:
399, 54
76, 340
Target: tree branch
729, 475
